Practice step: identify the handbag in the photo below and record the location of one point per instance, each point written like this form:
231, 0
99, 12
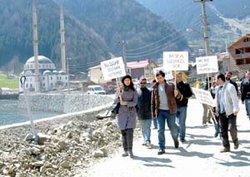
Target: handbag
116, 107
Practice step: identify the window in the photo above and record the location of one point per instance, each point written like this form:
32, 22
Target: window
247, 49
51, 78
246, 40
240, 62
247, 60
239, 51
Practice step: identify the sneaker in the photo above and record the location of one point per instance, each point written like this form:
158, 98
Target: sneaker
225, 149
176, 144
125, 154
236, 144
183, 141
149, 145
144, 144
161, 151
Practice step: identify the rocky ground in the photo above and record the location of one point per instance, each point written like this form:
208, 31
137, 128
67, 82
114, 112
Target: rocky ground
63, 147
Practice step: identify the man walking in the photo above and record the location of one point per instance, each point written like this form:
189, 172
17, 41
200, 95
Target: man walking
228, 76
245, 96
144, 112
227, 107
182, 102
164, 107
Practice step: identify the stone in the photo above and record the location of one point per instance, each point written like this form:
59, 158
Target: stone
98, 154
68, 135
42, 138
38, 163
35, 151
65, 164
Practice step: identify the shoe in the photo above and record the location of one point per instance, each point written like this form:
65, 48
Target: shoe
183, 140
225, 149
176, 144
216, 134
144, 144
161, 151
149, 146
125, 154
210, 122
131, 155
236, 144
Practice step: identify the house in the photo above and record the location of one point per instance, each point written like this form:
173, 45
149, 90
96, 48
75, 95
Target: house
137, 69
239, 53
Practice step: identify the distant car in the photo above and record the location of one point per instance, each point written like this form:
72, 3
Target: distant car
96, 89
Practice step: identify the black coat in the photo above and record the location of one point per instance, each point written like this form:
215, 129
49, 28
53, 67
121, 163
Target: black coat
185, 90
144, 104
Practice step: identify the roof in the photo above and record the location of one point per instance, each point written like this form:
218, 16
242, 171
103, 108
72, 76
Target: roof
41, 60
138, 64
239, 40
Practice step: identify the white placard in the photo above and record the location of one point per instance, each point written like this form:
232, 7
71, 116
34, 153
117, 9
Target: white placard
175, 61
168, 74
113, 68
204, 96
207, 64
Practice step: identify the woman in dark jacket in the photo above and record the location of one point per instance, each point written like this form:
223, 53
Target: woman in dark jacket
127, 96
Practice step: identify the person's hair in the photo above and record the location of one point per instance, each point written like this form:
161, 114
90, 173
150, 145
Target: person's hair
131, 85
154, 81
143, 79
160, 73
229, 72
221, 76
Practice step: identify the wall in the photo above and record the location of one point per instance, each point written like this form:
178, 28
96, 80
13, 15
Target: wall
64, 103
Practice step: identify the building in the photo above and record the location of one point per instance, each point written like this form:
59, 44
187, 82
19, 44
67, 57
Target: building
137, 69
49, 77
239, 53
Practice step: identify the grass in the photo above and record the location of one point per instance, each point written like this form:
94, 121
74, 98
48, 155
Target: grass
6, 82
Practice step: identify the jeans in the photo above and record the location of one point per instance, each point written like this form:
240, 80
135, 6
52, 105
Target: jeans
181, 120
146, 130
228, 122
247, 104
162, 117
155, 123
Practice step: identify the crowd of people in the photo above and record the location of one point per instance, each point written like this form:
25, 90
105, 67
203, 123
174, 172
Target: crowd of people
167, 102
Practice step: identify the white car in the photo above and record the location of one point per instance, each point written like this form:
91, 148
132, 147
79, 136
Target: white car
96, 89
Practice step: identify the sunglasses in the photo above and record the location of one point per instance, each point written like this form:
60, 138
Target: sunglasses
143, 82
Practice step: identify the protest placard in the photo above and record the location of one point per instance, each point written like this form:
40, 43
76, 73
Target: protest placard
175, 61
113, 68
168, 74
204, 96
207, 64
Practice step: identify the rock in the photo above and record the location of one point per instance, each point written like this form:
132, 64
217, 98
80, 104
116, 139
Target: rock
38, 163
68, 135
65, 164
35, 151
1, 164
48, 165
98, 153
63, 145
28, 137
42, 138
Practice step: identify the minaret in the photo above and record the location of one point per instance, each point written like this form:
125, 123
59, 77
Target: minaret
35, 46
62, 32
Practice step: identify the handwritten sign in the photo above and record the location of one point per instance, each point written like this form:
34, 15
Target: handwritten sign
113, 68
204, 96
207, 64
168, 74
175, 61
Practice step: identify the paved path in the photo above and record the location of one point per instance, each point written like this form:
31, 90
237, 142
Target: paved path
198, 157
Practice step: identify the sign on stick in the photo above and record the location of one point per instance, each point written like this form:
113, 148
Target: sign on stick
207, 64
175, 61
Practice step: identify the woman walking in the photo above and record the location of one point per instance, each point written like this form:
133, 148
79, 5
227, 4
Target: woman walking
127, 96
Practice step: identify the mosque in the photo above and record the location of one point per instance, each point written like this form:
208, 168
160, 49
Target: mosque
49, 78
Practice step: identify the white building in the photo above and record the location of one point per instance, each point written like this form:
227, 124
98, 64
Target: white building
49, 77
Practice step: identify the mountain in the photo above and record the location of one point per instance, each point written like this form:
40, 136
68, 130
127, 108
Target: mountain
16, 34
94, 30
228, 20
128, 21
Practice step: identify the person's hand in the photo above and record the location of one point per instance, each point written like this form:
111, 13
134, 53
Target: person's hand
235, 113
123, 102
176, 92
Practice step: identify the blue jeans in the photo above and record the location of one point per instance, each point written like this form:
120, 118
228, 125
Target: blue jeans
162, 117
155, 123
247, 104
181, 121
146, 130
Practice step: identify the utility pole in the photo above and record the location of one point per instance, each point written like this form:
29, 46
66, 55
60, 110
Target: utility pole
205, 23
124, 43
62, 32
35, 46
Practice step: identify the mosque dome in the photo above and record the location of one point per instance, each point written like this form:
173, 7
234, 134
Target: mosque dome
44, 63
